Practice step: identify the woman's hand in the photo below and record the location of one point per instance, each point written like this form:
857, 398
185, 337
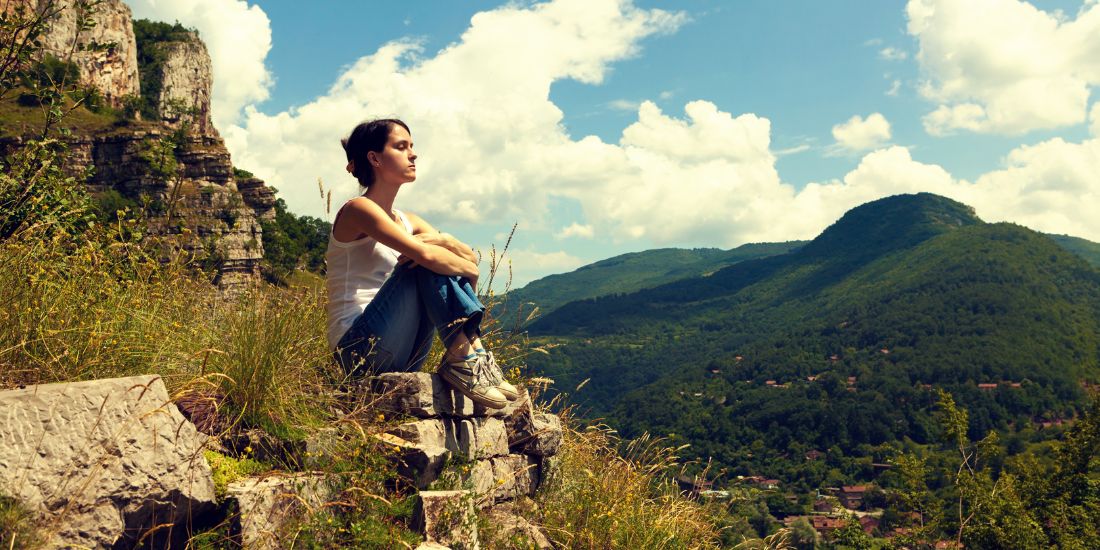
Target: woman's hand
447, 241
426, 238
444, 241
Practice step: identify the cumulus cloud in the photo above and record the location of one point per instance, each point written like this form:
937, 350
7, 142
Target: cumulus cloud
858, 134
696, 176
1094, 120
1047, 187
238, 37
895, 87
1041, 186
576, 230
1004, 66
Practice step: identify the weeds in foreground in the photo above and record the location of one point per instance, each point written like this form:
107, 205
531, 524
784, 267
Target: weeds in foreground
600, 498
17, 526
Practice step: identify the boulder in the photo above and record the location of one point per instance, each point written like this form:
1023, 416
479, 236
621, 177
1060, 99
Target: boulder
546, 439
531, 432
472, 438
501, 479
508, 526
424, 395
103, 461
420, 464
268, 507
448, 518
515, 475
481, 438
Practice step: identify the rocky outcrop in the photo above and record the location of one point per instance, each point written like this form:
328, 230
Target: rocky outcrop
106, 461
114, 71
268, 507
501, 454
185, 79
447, 518
188, 185
175, 166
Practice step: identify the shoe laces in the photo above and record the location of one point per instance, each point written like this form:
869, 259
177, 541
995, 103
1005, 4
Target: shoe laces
492, 370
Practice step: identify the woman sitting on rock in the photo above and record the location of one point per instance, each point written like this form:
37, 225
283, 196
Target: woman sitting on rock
394, 281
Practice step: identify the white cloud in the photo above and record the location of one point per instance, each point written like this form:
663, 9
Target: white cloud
895, 87
576, 230
1004, 66
1049, 187
525, 266
1046, 187
1094, 120
491, 153
893, 54
858, 134
238, 37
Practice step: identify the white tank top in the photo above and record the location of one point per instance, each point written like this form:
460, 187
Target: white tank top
356, 270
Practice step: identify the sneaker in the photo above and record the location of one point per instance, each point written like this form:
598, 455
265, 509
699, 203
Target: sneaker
496, 378
469, 378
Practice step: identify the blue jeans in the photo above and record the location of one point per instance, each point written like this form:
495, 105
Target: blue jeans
394, 333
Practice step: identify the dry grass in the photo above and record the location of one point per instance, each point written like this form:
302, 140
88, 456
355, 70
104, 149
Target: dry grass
605, 493
99, 306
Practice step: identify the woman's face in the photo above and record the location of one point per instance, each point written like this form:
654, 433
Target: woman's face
397, 161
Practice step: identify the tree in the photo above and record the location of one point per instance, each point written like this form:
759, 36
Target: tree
803, 535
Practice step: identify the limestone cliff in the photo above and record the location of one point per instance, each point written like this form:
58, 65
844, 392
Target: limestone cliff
185, 82
173, 162
114, 71
197, 200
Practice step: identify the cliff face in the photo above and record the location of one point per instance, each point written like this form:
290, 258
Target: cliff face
199, 206
113, 72
185, 82
175, 164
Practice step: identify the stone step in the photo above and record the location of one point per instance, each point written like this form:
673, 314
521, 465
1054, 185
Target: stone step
448, 518
268, 507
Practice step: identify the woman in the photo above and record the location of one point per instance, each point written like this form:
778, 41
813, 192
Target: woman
394, 281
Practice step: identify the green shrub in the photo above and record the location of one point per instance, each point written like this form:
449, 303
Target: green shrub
226, 470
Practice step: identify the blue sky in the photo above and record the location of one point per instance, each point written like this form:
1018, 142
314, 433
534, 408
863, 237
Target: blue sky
608, 126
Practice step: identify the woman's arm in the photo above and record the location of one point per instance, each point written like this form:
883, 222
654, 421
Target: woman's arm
371, 219
428, 234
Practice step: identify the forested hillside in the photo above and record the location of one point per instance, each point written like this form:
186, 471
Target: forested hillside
840, 343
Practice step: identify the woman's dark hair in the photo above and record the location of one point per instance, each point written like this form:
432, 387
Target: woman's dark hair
368, 136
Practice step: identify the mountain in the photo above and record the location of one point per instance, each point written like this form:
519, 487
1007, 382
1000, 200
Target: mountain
635, 271
853, 331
